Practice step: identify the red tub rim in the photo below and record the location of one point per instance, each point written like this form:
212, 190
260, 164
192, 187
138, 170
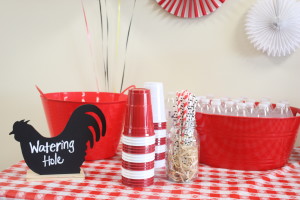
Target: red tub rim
49, 97
294, 110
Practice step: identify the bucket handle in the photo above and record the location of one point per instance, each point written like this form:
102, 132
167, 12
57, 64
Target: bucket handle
40, 91
130, 87
295, 111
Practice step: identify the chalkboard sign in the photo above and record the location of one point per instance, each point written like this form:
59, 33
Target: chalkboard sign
65, 153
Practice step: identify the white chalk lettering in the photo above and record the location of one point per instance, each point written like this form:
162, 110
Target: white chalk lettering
52, 147
71, 149
34, 149
48, 161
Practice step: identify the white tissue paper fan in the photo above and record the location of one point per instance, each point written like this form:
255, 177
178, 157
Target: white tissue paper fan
273, 26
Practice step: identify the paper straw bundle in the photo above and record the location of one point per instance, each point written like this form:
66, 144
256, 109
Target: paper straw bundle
182, 152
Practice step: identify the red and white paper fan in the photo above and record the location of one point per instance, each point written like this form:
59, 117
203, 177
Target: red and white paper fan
190, 8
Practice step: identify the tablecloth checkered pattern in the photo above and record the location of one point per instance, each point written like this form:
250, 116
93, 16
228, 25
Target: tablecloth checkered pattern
103, 181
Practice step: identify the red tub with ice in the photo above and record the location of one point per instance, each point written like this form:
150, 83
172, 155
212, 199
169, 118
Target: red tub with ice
246, 143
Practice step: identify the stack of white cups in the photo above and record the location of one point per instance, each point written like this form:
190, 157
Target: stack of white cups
159, 121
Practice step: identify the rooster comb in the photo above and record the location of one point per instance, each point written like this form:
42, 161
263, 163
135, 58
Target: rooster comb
25, 121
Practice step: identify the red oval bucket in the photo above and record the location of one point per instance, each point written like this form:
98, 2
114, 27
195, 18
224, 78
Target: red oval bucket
246, 143
59, 106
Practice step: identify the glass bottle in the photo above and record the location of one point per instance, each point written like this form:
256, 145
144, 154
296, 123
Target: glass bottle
182, 154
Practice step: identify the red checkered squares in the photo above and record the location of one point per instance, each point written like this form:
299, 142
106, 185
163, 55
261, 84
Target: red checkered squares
103, 181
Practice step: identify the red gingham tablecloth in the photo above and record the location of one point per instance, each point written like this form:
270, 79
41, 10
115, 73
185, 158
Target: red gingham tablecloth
103, 181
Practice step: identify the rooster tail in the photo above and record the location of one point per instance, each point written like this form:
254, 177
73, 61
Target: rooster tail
87, 116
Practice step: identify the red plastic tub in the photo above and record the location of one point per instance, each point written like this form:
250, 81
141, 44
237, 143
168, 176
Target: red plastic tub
59, 106
246, 143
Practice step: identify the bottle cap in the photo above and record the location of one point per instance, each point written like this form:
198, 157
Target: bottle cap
157, 100
249, 104
285, 102
229, 103
223, 99
216, 99
267, 102
205, 101
263, 105
280, 105
241, 105
216, 102
236, 101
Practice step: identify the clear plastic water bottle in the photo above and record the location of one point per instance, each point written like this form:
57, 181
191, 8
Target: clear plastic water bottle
279, 111
204, 106
263, 110
170, 102
251, 109
270, 107
216, 107
229, 108
223, 101
288, 111
216, 99
235, 103
242, 111
288, 108
199, 98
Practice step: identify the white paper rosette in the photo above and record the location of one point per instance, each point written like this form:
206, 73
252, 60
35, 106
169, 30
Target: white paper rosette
273, 26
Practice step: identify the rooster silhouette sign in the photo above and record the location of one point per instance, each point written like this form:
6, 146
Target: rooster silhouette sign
65, 153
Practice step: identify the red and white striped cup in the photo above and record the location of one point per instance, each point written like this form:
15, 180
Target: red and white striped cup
138, 140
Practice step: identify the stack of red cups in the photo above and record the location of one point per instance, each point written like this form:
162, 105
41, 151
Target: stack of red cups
138, 140
159, 121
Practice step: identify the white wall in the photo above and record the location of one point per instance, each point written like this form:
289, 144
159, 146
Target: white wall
45, 43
